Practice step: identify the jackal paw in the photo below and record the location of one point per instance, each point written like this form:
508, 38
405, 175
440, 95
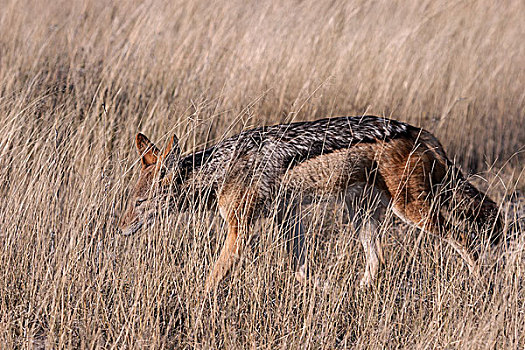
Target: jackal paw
474, 270
303, 277
300, 275
366, 281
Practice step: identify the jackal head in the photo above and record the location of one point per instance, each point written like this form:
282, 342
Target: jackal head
154, 186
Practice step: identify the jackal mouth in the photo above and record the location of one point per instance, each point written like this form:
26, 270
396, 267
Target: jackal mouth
131, 229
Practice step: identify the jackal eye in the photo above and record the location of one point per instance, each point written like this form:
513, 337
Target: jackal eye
139, 202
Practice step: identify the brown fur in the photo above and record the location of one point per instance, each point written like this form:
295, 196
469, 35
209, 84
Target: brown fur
408, 173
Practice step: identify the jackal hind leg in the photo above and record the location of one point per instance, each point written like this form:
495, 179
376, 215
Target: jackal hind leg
237, 211
429, 219
366, 212
289, 220
462, 244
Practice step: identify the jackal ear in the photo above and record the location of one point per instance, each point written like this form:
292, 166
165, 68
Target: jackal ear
147, 150
171, 153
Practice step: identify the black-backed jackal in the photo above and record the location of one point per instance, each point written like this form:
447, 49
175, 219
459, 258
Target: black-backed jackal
381, 162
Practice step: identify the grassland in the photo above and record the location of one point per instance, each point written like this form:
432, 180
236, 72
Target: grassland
78, 79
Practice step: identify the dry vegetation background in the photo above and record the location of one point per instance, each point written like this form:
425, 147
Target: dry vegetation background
78, 79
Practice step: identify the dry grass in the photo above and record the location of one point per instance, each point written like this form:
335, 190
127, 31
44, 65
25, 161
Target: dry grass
79, 79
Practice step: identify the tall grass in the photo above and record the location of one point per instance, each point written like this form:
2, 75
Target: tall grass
78, 79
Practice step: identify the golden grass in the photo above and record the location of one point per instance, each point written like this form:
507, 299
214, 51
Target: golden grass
79, 79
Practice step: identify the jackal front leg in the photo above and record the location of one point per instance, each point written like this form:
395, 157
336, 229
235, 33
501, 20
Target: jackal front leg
238, 216
229, 254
